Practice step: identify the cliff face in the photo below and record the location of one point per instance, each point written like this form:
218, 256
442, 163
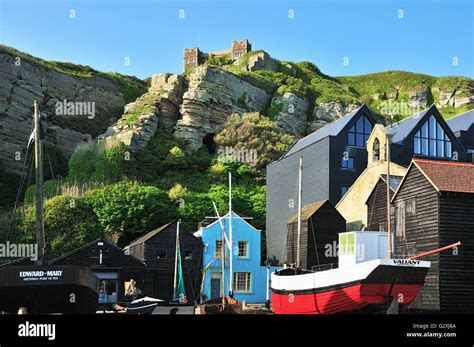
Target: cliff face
296, 96
211, 97
23, 80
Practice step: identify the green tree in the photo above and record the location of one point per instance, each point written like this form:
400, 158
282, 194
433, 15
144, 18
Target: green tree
130, 207
69, 222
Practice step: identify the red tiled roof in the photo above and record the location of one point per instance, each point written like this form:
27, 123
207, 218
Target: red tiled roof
448, 176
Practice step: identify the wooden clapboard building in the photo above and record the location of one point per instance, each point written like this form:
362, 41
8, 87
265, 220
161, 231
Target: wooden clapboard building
157, 249
434, 207
377, 203
321, 224
112, 267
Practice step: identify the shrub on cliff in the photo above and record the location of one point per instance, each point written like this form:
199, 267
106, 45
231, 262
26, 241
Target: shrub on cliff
100, 162
253, 136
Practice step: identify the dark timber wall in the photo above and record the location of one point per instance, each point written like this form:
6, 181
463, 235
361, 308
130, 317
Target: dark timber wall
456, 223
421, 231
319, 237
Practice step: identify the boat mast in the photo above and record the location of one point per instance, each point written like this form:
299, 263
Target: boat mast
39, 230
298, 237
175, 284
223, 267
231, 275
389, 234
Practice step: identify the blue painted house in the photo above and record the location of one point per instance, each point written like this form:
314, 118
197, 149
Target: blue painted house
249, 276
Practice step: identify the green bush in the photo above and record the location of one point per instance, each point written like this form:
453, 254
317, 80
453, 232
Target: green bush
256, 133
95, 162
69, 222
130, 207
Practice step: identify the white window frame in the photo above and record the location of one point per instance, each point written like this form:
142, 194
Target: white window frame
246, 256
248, 281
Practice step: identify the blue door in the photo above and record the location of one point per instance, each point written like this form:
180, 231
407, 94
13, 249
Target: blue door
215, 285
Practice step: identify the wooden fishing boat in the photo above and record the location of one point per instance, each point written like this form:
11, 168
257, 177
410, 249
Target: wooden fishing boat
43, 288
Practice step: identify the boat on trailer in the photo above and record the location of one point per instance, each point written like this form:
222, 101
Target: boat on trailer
363, 281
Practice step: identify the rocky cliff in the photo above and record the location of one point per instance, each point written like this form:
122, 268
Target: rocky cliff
92, 101
298, 97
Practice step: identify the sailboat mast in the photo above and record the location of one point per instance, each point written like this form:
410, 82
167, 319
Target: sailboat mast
175, 284
39, 231
223, 267
298, 237
231, 274
389, 234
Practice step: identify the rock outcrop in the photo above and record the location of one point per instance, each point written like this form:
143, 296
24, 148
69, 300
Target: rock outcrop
212, 96
419, 99
261, 61
159, 107
22, 82
293, 116
328, 112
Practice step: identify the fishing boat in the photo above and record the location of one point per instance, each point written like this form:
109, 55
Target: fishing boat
366, 278
39, 287
225, 304
179, 303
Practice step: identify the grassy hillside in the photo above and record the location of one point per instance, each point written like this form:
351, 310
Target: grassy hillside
131, 87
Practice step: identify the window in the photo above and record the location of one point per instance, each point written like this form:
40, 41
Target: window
383, 226
360, 132
161, 254
347, 243
347, 162
344, 190
410, 206
376, 150
188, 255
243, 249
218, 248
400, 218
242, 281
431, 140
470, 150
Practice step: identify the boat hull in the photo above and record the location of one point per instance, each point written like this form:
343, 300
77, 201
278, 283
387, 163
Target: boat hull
371, 292
48, 289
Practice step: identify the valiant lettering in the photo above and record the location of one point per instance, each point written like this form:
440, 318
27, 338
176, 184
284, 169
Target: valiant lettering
405, 261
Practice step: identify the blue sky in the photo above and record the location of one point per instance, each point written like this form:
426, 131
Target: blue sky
369, 33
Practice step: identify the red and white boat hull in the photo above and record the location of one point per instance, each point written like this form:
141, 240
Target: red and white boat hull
368, 285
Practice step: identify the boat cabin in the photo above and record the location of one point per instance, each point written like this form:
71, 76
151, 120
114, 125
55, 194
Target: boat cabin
360, 246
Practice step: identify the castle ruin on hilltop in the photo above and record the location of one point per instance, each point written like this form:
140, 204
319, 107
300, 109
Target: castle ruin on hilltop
194, 57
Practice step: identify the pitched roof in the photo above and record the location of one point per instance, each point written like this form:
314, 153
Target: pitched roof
447, 176
93, 243
394, 184
332, 129
394, 181
307, 211
402, 129
461, 122
149, 235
